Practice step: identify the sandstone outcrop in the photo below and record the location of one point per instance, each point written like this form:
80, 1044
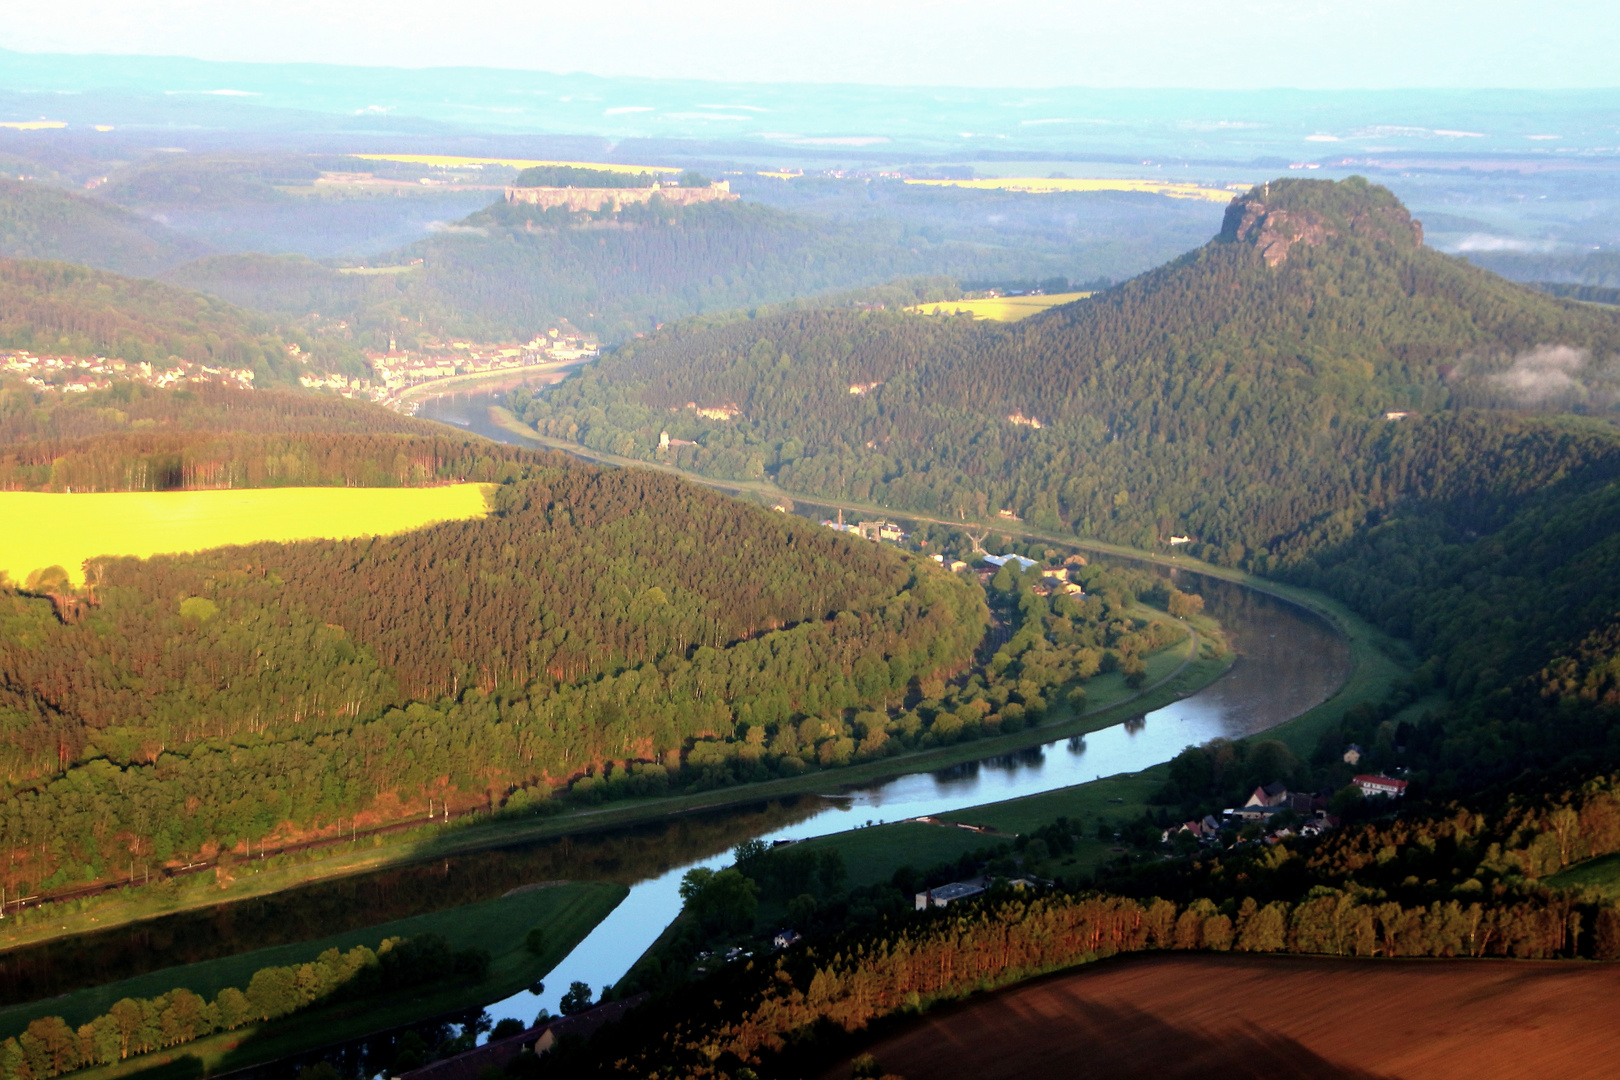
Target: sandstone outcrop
1274, 217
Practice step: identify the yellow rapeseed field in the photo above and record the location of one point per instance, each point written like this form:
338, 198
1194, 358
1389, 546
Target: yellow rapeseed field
1040, 186
1000, 308
44, 529
450, 162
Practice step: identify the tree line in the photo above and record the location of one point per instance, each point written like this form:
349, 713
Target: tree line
773, 1008
133, 437
136, 1026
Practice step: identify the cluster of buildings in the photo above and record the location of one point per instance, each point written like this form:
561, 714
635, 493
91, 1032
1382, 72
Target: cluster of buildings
1311, 817
77, 374
395, 370
869, 530
1054, 579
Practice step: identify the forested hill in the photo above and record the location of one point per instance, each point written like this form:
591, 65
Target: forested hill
1236, 395
40, 221
1312, 395
63, 309
594, 617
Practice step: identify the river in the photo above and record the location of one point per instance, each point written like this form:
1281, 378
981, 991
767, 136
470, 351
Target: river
1288, 660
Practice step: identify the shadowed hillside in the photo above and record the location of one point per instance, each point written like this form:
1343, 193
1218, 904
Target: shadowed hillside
38, 221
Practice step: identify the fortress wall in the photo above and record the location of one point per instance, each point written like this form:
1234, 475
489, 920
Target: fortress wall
548, 198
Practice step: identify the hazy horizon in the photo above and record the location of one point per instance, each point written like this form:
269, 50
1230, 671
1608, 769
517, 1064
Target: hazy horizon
1177, 44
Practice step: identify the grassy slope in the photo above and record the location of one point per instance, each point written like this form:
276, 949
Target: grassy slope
1602, 874
568, 913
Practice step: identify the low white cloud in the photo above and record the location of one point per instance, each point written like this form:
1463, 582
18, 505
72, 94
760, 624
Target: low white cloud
1543, 373
1486, 242
620, 110
447, 227
1217, 125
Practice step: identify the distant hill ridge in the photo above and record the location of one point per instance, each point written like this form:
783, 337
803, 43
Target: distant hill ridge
1237, 394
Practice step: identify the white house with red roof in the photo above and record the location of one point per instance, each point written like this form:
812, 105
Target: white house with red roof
1380, 785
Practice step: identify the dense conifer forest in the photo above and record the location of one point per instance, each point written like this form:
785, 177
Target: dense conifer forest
39, 221
1312, 396
135, 438
1218, 396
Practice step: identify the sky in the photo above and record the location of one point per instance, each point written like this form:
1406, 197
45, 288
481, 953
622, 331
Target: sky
1207, 44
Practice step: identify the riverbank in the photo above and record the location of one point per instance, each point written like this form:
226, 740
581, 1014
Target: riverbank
872, 854
567, 912
452, 384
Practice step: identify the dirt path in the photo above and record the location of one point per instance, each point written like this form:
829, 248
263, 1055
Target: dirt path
1185, 1017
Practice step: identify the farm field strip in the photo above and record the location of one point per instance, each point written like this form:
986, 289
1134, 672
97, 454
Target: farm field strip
1000, 308
450, 161
1178, 1016
47, 529
1034, 185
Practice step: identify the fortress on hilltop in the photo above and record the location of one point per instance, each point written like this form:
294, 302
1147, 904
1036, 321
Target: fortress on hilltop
617, 198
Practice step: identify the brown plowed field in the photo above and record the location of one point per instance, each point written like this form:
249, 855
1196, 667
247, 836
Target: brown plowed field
1212, 1017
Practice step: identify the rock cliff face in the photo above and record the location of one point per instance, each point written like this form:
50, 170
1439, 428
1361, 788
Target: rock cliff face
1276, 216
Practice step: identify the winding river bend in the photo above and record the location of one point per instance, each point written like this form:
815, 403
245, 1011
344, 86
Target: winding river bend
1288, 660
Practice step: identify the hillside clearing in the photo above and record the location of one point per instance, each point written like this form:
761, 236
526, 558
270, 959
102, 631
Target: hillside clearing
1000, 308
